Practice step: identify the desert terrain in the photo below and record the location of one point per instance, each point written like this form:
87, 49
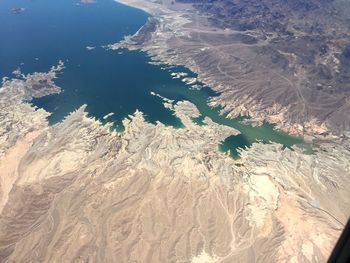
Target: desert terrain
79, 191
286, 62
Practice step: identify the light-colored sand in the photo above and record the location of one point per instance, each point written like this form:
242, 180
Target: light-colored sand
9, 164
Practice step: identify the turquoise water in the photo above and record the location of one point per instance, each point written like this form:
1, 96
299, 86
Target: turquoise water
107, 81
264, 133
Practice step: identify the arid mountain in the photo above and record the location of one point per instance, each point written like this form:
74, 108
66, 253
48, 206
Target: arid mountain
282, 61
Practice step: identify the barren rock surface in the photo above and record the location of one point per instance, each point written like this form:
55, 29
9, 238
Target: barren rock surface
79, 192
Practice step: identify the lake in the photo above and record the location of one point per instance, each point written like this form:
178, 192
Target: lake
47, 31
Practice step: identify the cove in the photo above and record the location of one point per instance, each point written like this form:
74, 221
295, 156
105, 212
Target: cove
107, 81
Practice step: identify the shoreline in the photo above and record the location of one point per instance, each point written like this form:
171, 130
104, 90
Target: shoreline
160, 154
255, 118
275, 114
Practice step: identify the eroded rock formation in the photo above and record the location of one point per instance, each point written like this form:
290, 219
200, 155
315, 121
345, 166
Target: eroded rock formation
77, 191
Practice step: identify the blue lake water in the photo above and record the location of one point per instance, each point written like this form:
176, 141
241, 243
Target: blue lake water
107, 81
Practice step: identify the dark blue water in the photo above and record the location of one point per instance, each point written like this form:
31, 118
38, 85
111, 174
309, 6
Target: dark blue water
107, 81
59, 29
50, 30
